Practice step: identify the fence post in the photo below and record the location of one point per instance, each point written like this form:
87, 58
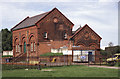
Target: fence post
88, 60
100, 61
39, 65
67, 60
64, 60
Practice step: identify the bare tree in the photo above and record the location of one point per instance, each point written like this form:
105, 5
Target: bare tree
110, 44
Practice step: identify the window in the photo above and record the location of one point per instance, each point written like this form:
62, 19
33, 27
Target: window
55, 20
65, 35
31, 47
61, 27
34, 46
45, 34
16, 48
24, 47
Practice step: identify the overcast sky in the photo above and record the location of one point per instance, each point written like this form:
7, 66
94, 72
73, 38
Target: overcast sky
100, 15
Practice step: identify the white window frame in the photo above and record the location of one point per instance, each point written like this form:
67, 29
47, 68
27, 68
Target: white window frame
65, 36
45, 34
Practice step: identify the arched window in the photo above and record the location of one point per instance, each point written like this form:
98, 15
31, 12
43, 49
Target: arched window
32, 44
17, 47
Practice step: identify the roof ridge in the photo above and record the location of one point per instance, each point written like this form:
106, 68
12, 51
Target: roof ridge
82, 28
20, 22
39, 14
78, 30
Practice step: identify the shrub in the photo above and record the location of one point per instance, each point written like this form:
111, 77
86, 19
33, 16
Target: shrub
7, 56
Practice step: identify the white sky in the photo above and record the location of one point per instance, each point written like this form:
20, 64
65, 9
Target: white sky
100, 15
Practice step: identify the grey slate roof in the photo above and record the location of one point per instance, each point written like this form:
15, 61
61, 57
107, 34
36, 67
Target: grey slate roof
29, 21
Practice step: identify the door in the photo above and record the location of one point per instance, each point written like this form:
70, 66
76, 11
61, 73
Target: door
90, 57
24, 47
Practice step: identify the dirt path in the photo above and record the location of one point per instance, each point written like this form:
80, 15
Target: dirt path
104, 67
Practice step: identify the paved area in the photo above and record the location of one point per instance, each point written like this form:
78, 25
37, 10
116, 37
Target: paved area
104, 66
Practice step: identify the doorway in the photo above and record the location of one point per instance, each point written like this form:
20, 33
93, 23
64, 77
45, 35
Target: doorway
90, 57
24, 47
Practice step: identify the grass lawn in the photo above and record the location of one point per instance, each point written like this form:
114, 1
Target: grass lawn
65, 71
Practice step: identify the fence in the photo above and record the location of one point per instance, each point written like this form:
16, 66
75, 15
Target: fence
36, 62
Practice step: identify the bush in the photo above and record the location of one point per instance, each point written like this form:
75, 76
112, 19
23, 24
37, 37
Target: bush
7, 56
117, 64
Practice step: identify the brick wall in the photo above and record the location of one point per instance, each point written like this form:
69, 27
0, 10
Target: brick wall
45, 47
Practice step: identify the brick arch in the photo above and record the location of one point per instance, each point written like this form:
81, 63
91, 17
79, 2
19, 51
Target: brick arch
15, 39
23, 38
78, 44
92, 44
31, 36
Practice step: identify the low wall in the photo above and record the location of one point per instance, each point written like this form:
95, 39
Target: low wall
64, 58
7, 53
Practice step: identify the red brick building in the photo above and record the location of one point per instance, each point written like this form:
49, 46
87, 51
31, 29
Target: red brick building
39, 34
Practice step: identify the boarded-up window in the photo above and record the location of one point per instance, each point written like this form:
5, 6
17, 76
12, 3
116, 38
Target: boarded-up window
61, 27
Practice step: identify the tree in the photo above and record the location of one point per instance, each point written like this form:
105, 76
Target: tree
6, 39
103, 53
110, 44
0, 42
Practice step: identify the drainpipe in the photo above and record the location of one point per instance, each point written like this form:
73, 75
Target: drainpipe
27, 47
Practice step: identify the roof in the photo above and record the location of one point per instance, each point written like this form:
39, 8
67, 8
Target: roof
79, 29
30, 21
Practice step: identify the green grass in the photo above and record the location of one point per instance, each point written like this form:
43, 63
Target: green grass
117, 64
52, 54
14, 67
65, 71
